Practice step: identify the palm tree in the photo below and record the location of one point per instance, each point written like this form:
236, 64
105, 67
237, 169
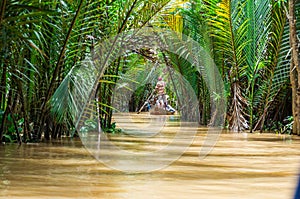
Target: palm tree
257, 15
273, 83
131, 14
44, 45
22, 55
247, 44
229, 31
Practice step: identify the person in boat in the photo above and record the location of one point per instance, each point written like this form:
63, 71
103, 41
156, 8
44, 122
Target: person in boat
160, 89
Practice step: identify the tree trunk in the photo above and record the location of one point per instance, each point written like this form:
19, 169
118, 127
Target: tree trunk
2, 11
15, 125
295, 70
3, 87
2, 125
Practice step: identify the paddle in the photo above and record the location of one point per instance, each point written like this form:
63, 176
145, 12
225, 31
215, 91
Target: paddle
147, 101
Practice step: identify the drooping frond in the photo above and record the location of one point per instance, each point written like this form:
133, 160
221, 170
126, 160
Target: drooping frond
277, 70
258, 15
229, 30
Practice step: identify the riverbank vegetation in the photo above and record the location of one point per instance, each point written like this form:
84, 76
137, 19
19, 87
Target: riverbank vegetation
254, 44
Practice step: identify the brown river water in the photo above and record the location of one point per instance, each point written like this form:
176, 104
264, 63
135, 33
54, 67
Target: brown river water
240, 165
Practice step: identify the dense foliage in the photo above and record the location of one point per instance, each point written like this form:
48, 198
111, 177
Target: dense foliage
43, 41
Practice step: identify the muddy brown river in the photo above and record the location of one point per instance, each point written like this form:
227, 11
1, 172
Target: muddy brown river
243, 166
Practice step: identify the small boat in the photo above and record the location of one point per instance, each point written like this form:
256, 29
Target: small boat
155, 106
158, 110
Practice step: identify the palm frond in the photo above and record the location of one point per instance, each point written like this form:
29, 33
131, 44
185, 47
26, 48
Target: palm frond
229, 32
277, 70
258, 15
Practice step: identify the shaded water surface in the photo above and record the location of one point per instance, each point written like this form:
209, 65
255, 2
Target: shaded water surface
240, 166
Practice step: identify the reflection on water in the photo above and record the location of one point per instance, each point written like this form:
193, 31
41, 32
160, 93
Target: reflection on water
240, 166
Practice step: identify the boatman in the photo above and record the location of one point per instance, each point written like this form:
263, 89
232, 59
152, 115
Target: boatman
160, 89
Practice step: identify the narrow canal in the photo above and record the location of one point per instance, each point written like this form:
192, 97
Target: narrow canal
244, 166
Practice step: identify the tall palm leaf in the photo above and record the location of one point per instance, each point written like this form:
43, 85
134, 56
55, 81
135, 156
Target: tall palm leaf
257, 14
229, 33
277, 71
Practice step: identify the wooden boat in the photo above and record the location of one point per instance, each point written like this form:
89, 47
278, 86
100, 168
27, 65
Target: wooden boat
158, 110
156, 107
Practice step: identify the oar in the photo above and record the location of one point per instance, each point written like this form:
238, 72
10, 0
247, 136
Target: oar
146, 102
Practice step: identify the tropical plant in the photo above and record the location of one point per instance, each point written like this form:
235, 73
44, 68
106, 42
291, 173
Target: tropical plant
132, 14
229, 30
248, 42
44, 44
257, 15
275, 77
22, 58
